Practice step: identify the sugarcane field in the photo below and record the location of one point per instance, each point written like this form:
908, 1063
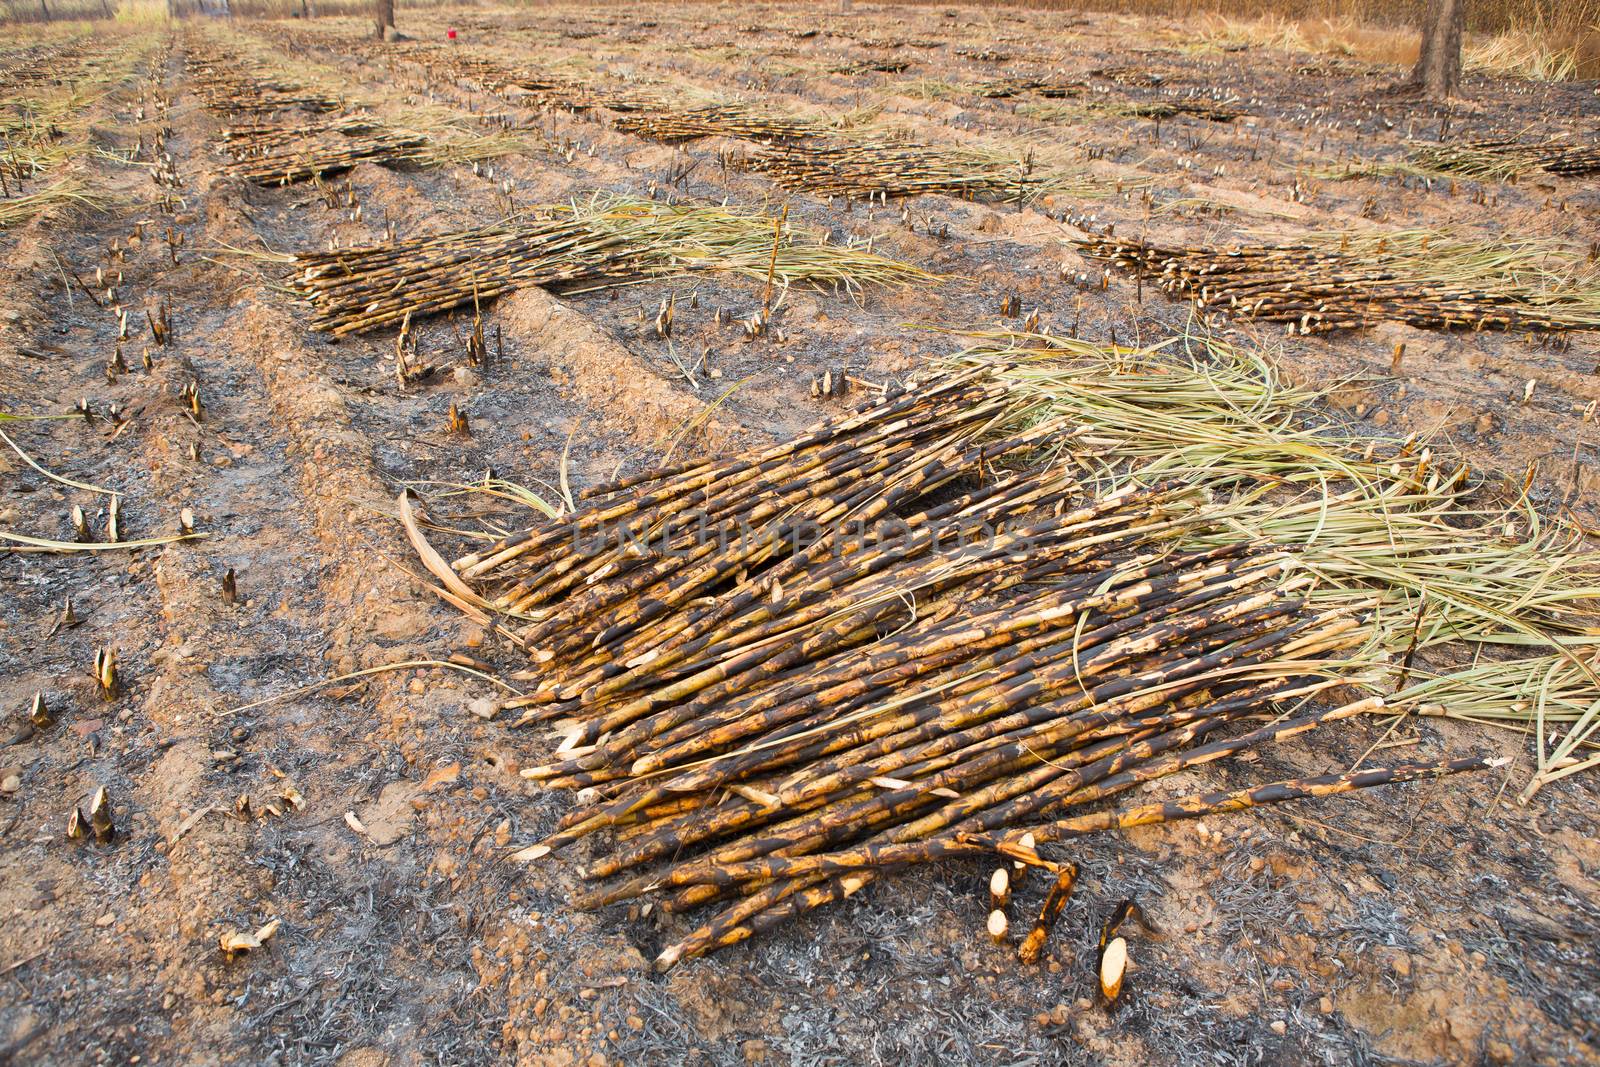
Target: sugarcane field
825, 533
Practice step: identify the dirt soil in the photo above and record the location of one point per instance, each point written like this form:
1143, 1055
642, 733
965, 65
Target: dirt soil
1428, 923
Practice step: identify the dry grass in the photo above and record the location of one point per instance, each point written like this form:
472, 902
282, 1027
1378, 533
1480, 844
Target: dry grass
1326, 36
1523, 38
44, 129
68, 193
55, 11
1505, 601
1537, 53
59, 12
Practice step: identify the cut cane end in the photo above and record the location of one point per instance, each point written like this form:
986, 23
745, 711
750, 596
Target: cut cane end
1113, 966
999, 926
668, 959
531, 853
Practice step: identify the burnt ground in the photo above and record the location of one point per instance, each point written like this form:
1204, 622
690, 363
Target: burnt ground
1427, 923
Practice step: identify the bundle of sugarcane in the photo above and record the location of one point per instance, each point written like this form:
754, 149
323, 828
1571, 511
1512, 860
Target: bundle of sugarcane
257, 137
1345, 281
1141, 77
717, 120
48, 67
575, 94
781, 673
1003, 88
872, 66
881, 168
474, 71
1059, 89
228, 81
39, 64
1195, 107
333, 148
607, 241
1506, 158
230, 93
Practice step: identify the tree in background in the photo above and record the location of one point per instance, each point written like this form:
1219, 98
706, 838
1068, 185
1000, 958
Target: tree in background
385, 13
1438, 70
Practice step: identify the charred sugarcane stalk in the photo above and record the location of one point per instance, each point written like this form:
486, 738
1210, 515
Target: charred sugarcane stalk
769, 723
1055, 900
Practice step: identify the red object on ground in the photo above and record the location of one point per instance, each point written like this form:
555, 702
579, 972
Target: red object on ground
451, 34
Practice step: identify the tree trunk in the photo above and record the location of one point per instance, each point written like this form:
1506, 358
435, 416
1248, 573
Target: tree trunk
385, 11
1438, 69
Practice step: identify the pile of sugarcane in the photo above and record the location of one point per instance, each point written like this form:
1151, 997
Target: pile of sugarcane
258, 137
1004, 88
231, 84
717, 120
578, 94
1506, 158
1321, 287
474, 71
1141, 77
364, 288
872, 66
229, 93
42, 64
293, 155
781, 673
883, 168
1193, 107
608, 241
